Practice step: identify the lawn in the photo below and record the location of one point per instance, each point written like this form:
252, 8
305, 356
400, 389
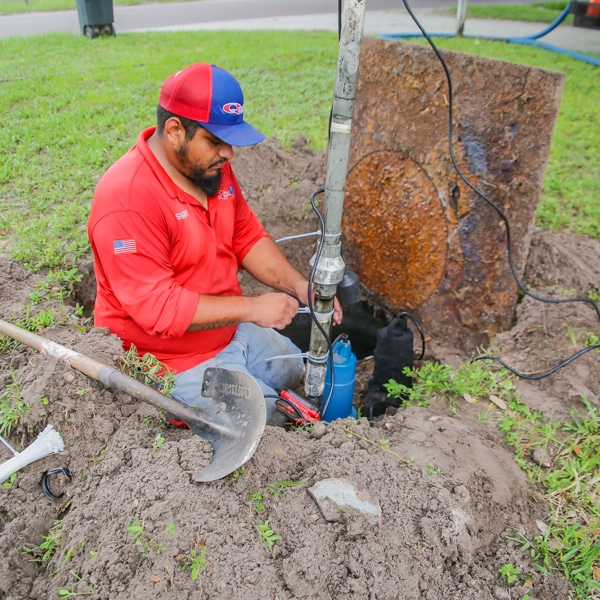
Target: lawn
75, 105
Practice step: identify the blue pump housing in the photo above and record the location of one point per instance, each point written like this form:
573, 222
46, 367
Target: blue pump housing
344, 376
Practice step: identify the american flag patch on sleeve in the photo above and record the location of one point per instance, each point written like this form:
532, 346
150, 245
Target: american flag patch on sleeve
123, 246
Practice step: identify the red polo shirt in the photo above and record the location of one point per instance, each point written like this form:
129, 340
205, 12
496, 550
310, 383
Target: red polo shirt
156, 249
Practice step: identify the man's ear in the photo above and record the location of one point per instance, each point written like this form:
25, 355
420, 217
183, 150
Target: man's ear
174, 130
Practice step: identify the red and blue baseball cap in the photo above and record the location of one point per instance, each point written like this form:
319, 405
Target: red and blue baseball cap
213, 97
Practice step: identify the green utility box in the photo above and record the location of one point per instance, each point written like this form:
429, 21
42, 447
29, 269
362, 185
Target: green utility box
95, 17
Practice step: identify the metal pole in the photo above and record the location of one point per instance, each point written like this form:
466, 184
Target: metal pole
461, 17
329, 270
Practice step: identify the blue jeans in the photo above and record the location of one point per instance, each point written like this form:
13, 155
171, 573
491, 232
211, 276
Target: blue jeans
253, 350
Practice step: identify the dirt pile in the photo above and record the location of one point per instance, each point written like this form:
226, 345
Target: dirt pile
133, 524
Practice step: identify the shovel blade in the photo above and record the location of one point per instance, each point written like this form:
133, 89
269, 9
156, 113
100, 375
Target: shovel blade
235, 428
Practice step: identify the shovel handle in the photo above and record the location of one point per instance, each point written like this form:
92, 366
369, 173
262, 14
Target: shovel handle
105, 374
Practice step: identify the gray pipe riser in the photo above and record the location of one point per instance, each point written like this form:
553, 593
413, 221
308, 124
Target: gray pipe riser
329, 270
315, 380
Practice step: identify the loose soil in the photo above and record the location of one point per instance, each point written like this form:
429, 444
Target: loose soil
449, 490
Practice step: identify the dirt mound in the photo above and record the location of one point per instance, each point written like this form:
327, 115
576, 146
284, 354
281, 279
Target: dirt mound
133, 524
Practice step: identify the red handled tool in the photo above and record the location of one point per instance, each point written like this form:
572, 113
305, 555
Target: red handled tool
298, 408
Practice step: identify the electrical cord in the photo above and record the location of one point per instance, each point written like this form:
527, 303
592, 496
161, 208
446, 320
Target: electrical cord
539, 375
405, 314
503, 217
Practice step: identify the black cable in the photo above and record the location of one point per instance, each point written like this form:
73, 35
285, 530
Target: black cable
405, 314
540, 375
491, 203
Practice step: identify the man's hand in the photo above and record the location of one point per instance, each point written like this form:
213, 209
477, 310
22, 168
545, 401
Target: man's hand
269, 310
301, 292
274, 310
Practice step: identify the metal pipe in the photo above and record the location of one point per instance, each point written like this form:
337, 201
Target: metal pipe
329, 269
461, 17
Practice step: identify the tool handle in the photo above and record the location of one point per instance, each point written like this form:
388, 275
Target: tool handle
109, 376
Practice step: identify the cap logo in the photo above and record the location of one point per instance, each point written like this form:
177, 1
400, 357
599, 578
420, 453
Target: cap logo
233, 108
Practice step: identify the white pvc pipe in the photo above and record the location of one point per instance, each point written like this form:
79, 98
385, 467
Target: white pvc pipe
48, 442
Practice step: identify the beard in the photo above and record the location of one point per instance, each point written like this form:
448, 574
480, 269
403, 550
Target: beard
209, 184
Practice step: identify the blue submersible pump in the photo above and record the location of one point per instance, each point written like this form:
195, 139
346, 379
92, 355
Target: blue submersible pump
344, 374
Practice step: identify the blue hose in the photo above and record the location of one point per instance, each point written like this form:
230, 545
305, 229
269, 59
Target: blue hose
531, 40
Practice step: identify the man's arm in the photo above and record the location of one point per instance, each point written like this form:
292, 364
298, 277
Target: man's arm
269, 310
266, 263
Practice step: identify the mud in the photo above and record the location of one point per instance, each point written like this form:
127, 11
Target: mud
448, 488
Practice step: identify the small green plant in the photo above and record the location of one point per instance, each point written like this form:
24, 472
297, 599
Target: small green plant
70, 593
195, 561
100, 458
38, 322
147, 369
433, 470
238, 473
76, 549
572, 335
9, 482
257, 498
510, 572
159, 443
267, 535
591, 339
50, 544
144, 541
7, 344
12, 405
157, 420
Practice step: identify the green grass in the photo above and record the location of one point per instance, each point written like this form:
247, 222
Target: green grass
73, 106
570, 543
538, 12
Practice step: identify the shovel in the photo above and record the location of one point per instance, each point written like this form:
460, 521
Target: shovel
233, 430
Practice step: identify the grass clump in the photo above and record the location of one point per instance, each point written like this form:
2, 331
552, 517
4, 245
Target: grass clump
49, 545
470, 381
12, 405
566, 467
147, 369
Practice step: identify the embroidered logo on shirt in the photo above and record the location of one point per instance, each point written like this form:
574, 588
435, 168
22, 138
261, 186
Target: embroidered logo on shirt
182, 215
124, 246
224, 194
